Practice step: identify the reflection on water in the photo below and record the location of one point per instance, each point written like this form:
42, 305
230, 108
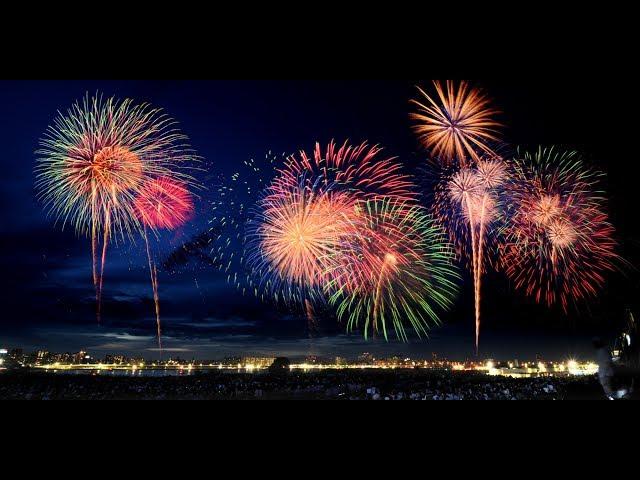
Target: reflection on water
147, 372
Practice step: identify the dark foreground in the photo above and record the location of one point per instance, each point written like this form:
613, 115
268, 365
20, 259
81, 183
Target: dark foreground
328, 385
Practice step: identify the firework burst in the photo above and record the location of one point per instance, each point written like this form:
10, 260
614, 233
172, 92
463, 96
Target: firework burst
295, 233
93, 161
559, 239
457, 126
235, 199
393, 266
162, 203
304, 210
361, 170
469, 203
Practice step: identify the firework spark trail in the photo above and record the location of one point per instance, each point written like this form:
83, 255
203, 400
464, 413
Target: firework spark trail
465, 189
559, 239
467, 203
479, 265
153, 272
94, 249
458, 125
479, 271
312, 322
476, 272
492, 173
163, 203
103, 258
93, 161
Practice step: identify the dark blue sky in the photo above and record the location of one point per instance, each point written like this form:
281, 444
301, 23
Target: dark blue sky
46, 281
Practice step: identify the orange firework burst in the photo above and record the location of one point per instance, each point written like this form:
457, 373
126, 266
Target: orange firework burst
459, 125
310, 195
296, 232
492, 173
545, 208
93, 162
115, 169
561, 234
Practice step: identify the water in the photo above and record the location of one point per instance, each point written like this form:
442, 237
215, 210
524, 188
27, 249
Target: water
146, 372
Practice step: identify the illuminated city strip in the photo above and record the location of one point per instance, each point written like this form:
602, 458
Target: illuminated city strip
572, 368
45, 361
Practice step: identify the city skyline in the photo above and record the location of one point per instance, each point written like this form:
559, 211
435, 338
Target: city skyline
83, 360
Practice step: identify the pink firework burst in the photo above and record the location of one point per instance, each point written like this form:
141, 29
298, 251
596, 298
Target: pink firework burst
164, 203
469, 203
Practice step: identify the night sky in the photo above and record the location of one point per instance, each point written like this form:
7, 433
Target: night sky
47, 292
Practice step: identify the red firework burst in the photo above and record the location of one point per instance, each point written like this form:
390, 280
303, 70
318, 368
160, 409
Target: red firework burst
559, 239
360, 170
164, 203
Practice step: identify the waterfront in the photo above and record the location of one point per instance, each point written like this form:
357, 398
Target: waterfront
118, 365
490, 368
47, 376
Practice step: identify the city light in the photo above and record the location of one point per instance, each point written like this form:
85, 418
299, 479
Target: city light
576, 369
79, 362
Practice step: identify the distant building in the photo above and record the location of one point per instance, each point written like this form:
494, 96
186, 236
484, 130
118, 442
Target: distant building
79, 358
114, 359
57, 358
311, 360
393, 362
256, 362
42, 357
366, 359
232, 361
6, 361
17, 354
